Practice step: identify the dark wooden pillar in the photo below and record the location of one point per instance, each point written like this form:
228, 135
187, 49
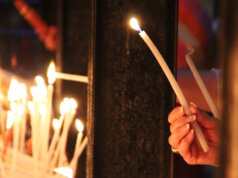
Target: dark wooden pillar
131, 95
229, 57
75, 24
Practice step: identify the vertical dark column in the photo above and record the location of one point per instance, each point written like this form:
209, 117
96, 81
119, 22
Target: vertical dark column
229, 57
73, 50
132, 94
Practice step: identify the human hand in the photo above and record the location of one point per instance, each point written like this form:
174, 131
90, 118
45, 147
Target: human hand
183, 138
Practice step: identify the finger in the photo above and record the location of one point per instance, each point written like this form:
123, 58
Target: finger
177, 136
176, 113
181, 122
184, 147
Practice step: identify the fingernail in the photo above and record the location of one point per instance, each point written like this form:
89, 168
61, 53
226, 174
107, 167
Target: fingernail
193, 104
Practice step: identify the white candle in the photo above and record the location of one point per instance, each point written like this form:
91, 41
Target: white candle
72, 77
78, 152
73, 163
64, 76
23, 94
172, 81
201, 85
16, 133
81, 148
55, 137
13, 97
41, 89
63, 139
79, 126
51, 80
64, 109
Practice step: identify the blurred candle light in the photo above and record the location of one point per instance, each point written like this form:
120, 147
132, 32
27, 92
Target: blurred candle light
64, 108
39, 93
22, 113
10, 120
72, 106
51, 73
56, 124
64, 171
13, 97
9, 128
135, 25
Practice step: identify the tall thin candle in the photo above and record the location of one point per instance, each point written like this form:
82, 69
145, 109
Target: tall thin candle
134, 24
201, 85
71, 77
79, 126
51, 80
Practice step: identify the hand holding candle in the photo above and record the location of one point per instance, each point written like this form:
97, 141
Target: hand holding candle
134, 24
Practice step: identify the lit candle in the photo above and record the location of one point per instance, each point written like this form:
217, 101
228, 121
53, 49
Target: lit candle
134, 24
10, 121
68, 120
39, 93
51, 80
41, 121
57, 126
79, 126
13, 97
201, 85
77, 153
23, 95
70, 77
64, 108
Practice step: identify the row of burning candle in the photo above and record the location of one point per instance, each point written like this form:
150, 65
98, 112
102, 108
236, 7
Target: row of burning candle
45, 156
48, 152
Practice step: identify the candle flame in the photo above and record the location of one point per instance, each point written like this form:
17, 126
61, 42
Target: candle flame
56, 124
79, 125
39, 80
40, 89
134, 24
51, 73
67, 105
64, 106
65, 171
10, 120
73, 104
